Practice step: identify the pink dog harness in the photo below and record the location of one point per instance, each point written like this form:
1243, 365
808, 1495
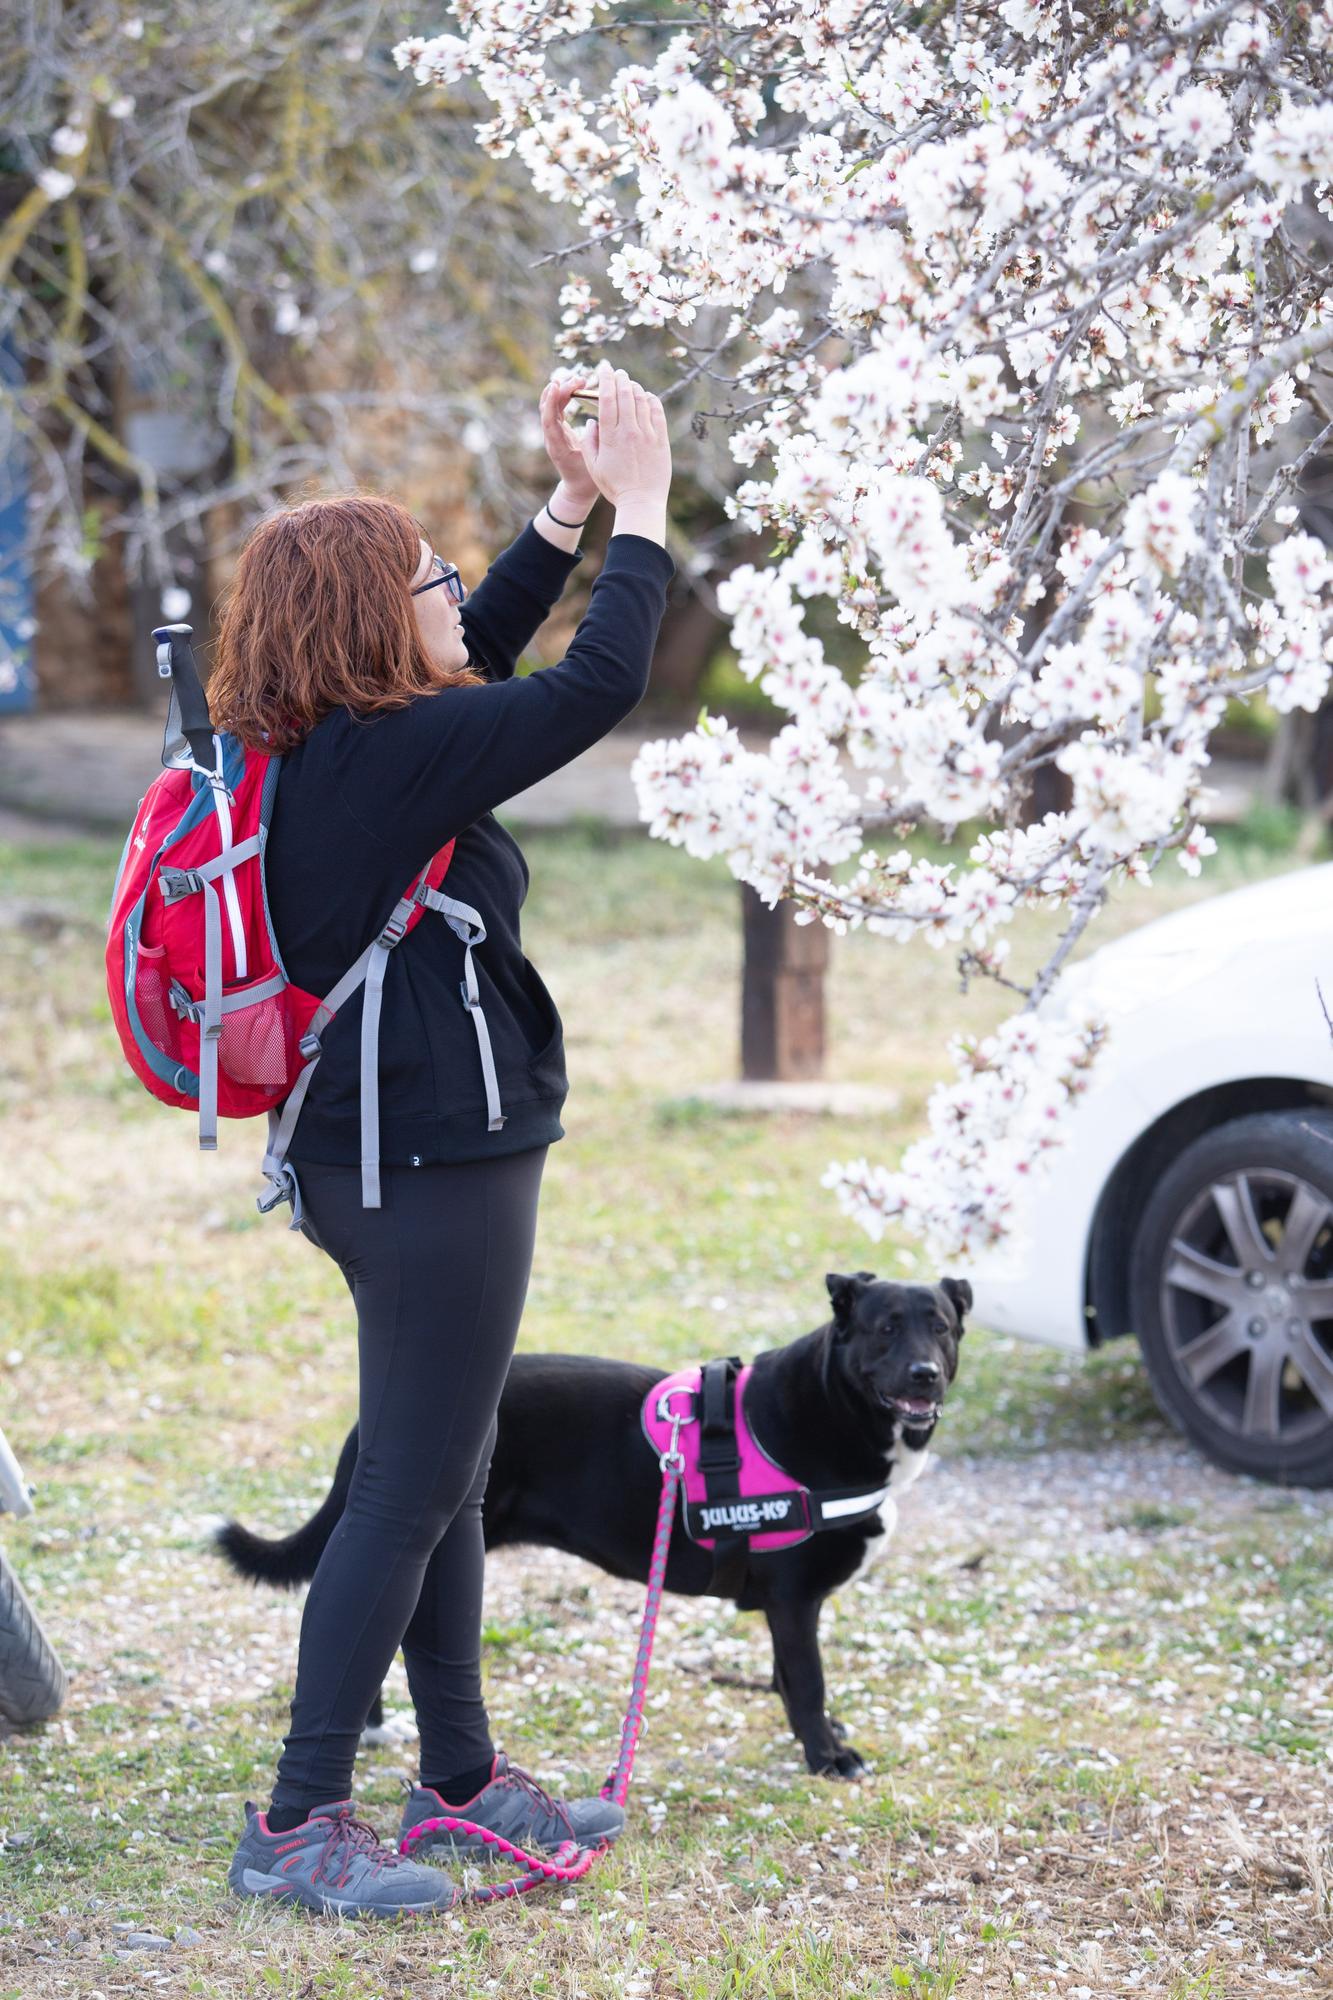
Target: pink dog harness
732, 1490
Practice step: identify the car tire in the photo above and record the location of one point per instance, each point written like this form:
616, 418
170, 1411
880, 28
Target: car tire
1231, 1295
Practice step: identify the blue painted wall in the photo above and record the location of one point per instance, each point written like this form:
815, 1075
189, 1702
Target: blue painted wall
18, 680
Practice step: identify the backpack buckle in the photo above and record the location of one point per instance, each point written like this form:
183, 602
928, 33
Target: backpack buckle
282, 1184
178, 882
309, 1045
392, 932
219, 784
183, 1006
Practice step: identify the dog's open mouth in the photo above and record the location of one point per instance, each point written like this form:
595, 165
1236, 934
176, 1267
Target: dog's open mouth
917, 1409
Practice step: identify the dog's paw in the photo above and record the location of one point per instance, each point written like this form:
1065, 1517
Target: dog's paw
394, 1729
850, 1763
840, 1762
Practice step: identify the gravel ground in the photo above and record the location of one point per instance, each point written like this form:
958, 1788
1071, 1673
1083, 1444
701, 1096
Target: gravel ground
1072, 1615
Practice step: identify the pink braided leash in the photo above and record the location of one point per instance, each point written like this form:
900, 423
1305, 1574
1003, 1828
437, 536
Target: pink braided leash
616, 1786
570, 1861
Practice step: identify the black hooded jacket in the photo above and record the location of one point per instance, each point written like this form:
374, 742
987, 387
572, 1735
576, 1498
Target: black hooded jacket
363, 802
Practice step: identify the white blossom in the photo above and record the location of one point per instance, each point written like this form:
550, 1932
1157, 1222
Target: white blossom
1159, 522
1196, 120
1047, 329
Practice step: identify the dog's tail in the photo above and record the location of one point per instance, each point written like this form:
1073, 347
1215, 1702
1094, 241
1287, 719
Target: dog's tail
289, 1560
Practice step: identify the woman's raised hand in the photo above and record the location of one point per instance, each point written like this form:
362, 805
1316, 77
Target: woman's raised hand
625, 446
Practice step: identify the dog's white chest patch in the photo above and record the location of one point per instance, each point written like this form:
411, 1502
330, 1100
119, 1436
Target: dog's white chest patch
877, 1545
907, 1465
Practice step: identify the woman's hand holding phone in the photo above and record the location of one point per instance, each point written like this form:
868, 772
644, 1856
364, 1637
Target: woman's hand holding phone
628, 453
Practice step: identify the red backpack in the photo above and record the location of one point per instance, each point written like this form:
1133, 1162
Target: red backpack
206, 1014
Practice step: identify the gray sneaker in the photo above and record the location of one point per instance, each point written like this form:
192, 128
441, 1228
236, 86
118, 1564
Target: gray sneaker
333, 1861
513, 1804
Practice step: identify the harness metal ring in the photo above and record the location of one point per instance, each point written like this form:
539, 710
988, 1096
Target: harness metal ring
668, 1416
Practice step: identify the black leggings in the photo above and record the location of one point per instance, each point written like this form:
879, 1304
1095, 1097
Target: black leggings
439, 1275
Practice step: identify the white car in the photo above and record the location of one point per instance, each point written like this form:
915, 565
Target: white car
1193, 1202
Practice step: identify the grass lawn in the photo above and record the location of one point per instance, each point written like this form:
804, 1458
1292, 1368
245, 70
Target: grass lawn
1091, 1674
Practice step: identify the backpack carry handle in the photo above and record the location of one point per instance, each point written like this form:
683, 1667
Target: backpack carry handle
175, 662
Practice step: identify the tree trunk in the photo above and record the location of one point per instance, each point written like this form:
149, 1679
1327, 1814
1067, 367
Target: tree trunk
782, 992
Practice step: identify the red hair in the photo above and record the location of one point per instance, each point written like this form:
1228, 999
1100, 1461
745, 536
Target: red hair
318, 616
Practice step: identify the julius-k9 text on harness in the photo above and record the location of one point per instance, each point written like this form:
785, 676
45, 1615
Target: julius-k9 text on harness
735, 1497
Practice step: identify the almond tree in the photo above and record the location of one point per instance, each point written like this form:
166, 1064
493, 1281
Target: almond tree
1045, 374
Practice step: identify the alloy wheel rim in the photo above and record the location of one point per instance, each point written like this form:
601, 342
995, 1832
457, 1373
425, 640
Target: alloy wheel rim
1246, 1299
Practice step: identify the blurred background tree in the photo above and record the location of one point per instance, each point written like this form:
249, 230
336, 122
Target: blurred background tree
241, 251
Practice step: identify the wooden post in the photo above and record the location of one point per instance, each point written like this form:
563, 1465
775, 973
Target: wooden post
782, 992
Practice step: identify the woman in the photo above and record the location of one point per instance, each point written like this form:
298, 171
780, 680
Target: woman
346, 644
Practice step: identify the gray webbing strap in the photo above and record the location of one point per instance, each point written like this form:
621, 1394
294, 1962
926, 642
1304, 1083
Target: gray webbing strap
178, 882
210, 1025
466, 924
192, 1010
280, 1129
370, 1044
462, 920
243, 851
370, 1076
370, 967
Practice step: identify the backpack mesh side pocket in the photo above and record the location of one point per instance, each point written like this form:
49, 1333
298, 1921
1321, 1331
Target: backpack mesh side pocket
160, 1021
255, 1050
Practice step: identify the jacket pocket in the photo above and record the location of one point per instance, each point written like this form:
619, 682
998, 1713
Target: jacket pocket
546, 1065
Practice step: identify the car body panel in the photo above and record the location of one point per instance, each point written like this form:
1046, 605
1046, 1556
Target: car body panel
1221, 992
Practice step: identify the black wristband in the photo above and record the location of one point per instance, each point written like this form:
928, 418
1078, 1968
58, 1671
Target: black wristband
566, 524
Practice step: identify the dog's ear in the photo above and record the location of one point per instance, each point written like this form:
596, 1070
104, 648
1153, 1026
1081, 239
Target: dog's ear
959, 1294
844, 1292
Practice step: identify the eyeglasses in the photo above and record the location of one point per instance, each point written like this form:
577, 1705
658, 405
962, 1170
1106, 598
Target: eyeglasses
443, 573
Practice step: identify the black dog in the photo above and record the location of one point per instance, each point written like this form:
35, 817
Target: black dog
852, 1404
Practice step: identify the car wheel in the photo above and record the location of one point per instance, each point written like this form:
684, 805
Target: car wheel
1231, 1293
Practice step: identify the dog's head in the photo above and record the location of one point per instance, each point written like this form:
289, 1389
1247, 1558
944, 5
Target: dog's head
898, 1344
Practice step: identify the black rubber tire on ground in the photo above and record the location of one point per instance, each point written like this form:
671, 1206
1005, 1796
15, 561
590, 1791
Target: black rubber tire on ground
1242, 1210
32, 1680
